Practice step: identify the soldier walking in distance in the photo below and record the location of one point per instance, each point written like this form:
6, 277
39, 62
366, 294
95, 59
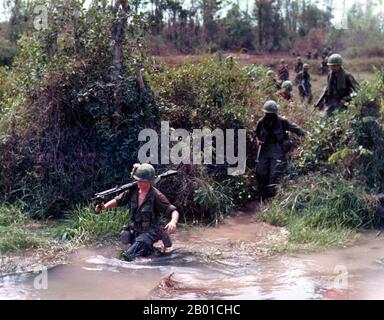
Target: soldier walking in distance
283, 72
340, 87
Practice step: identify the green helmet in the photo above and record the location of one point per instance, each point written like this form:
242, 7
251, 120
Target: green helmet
287, 85
270, 73
271, 107
306, 66
335, 59
145, 172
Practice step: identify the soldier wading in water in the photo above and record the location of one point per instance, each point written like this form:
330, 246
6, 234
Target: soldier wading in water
145, 204
273, 142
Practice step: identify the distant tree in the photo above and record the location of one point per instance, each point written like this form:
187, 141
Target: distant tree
238, 31
209, 10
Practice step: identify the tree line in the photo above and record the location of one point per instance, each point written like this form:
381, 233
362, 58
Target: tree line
195, 26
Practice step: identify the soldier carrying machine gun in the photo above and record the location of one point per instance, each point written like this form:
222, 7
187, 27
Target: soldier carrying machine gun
146, 204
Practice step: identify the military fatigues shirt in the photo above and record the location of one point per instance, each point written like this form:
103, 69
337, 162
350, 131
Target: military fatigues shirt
340, 86
145, 219
273, 137
272, 155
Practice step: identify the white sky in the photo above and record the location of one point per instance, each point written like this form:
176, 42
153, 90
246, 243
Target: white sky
338, 4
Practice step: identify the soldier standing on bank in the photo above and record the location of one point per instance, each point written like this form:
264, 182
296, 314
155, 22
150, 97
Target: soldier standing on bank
283, 72
273, 142
304, 84
340, 86
145, 204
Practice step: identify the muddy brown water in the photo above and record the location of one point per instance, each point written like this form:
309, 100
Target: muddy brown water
355, 272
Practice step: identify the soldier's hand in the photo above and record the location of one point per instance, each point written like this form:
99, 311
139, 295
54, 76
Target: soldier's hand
171, 227
134, 168
99, 207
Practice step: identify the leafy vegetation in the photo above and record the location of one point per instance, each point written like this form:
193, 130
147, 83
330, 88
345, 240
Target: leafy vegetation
85, 225
14, 233
59, 129
74, 96
336, 174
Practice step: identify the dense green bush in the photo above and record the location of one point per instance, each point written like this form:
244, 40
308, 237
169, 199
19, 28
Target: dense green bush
213, 93
61, 137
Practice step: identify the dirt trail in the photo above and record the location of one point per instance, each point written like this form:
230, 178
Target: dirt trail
240, 234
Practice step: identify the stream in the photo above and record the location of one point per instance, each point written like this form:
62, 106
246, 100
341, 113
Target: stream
355, 272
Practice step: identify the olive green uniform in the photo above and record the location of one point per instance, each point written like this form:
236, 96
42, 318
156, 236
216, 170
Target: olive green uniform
274, 140
144, 226
340, 86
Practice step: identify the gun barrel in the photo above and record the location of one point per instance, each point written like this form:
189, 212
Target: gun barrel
318, 103
127, 186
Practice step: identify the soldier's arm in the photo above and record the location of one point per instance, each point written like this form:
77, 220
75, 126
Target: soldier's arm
292, 127
164, 206
353, 83
122, 199
171, 226
109, 205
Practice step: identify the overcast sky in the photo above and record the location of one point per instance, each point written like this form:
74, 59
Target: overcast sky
338, 4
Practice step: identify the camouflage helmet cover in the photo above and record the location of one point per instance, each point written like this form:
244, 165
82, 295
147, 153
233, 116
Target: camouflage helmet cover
287, 85
145, 172
335, 59
271, 107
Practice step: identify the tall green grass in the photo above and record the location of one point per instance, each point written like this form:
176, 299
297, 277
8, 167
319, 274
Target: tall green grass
19, 232
321, 210
14, 234
83, 224
13, 239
